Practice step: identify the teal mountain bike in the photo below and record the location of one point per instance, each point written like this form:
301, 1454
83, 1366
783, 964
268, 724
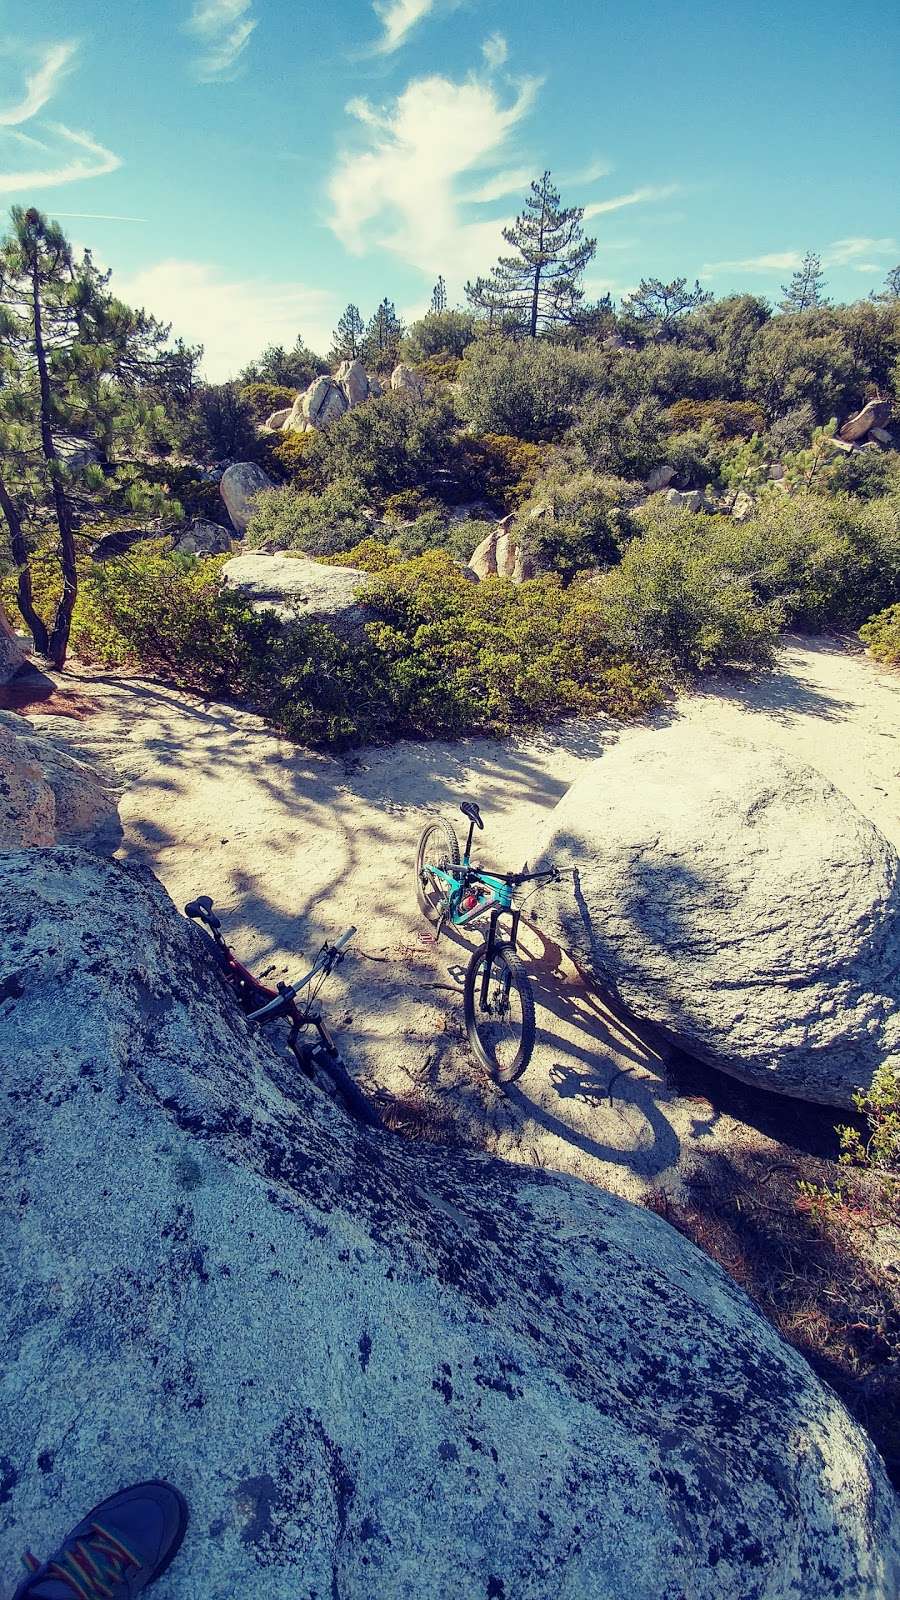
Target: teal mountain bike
498, 1001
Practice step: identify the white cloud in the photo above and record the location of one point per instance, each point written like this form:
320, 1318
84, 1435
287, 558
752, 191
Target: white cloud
398, 18
515, 181
223, 29
234, 319
842, 253
495, 50
78, 156
845, 252
635, 197
589, 174
40, 84
773, 261
400, 192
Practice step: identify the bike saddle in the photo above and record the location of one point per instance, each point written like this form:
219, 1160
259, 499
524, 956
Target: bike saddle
469, 809
202, 908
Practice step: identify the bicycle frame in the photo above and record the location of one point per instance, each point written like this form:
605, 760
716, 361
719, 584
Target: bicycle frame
460, 880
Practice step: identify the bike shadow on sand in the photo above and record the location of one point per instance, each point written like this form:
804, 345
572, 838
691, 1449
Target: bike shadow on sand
596, 1079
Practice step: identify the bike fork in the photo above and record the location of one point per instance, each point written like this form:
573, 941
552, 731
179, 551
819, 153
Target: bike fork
490, 944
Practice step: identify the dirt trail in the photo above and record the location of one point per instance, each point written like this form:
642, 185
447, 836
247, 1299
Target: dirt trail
294, 846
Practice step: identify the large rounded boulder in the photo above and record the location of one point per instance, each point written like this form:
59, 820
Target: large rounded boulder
735, 898
374, 1368
240, 485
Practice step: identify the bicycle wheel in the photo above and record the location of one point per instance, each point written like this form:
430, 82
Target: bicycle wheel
347, 1089
501, 1030
438, 847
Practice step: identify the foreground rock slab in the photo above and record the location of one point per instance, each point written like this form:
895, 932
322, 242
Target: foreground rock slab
374, 1368
735, 898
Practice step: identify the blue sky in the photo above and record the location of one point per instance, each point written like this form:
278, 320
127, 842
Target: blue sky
246, 167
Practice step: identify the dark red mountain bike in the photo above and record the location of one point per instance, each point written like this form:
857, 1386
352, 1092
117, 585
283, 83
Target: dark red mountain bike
318, 1057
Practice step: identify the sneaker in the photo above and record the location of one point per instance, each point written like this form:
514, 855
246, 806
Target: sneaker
116, 1552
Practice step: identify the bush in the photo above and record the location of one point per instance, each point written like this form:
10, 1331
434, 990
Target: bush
500, 469
440, 333
370, 555
408, 504
729, 419
460, 657
697, 457
392, 443
223, 425
613, 436
529, 388
680, 602
869, 1185
585, 521
829, 560
264, 398
441, 656
288, 453
882, 636
319, 524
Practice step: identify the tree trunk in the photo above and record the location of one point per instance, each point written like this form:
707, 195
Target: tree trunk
59, 638
19, 552
535, 302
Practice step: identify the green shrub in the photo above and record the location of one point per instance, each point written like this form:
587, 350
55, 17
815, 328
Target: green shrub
584, 521
829, 560
500, 469
869, 1185
438, 334
529, 388
319, 524
696, 456
392, 443
370, 555
264, 398
729, 419
288, 453
867, 474
441, 656
680, 602
611, 435
460, 657
434, 530
882, 636
407, 504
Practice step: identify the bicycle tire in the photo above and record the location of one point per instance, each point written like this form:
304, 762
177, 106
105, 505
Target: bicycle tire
348, 1091
443, 838
510, 971
213, 949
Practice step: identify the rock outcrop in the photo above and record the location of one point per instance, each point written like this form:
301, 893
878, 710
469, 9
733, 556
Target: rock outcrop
48, 797
501, 554
240, 485
744, 506
354, 382
736, 899
660, 478
277, 419
299, 589
874, 415
373, 1367
203, 538
685, 499
12, 656
408, 380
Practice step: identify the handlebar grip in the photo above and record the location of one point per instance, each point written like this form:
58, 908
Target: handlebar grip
344, 940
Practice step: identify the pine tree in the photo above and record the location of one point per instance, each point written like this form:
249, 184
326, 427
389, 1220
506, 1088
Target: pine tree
83, 386
439, 296
656, 306
540, 283
348, 335
383, 335
806, 288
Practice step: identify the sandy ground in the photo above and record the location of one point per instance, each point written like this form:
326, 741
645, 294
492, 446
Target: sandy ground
293, 846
